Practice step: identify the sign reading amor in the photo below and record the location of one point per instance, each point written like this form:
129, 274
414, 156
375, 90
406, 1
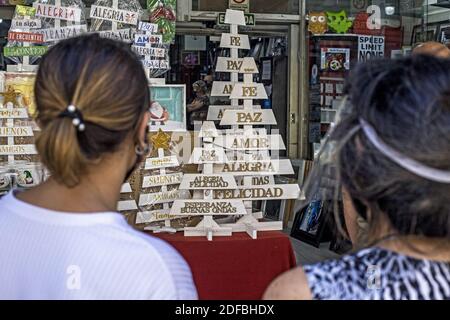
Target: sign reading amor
208, 207
244, 117
251, 142
57, 12
143, 39
115, 15
205, 156
222, 88
280, 192
207, 181
215, 113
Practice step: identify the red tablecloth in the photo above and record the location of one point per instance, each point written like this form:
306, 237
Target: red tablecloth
236, 267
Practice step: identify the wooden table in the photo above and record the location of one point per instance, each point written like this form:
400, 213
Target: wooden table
236, 267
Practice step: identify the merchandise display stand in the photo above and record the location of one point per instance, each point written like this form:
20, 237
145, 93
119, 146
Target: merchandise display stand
11, 131
160, 178
149, 45
24, 32
250, 146
120, 24
204, 204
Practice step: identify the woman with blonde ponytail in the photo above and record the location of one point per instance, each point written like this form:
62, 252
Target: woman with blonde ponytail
64, 239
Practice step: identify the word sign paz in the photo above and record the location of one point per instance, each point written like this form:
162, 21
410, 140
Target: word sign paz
235, 41
215, 113
249, 91
208, 207
143, 39
225, 64
114, 15
245, 142
207, 181
208, 156
17, 150
222, 88
253, 168
254, 117
278, 192
16, 132
56, 12
162, 180
26, 24
159, 163
148, 27
154, 216
151, 52
19, 113
56, 34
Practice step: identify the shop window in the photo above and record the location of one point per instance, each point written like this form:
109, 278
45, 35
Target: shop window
256, 6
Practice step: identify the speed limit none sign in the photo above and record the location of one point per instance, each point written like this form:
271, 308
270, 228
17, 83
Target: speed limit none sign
240, 5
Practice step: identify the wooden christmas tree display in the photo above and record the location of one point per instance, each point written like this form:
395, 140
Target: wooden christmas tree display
24, 41
61, 19
127, 204
251, 163
204, 185
17, 140
159, 202
149, 44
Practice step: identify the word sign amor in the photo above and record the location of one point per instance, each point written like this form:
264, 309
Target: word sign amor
143, 39
222, 88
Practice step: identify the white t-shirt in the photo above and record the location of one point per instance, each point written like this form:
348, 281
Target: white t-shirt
46, 254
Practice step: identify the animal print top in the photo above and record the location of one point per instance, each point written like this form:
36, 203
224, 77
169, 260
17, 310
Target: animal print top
379, 274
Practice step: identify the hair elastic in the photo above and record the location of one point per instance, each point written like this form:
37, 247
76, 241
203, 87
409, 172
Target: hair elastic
403, 161
75, 114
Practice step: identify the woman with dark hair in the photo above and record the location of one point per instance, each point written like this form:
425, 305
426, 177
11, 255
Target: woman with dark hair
64, 238
391, 148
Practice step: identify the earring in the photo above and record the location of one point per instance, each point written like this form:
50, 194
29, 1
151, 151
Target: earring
142, 151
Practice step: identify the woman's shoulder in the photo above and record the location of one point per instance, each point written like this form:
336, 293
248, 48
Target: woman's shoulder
159, 258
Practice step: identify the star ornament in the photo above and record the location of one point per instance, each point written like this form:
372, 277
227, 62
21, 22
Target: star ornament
160, 140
